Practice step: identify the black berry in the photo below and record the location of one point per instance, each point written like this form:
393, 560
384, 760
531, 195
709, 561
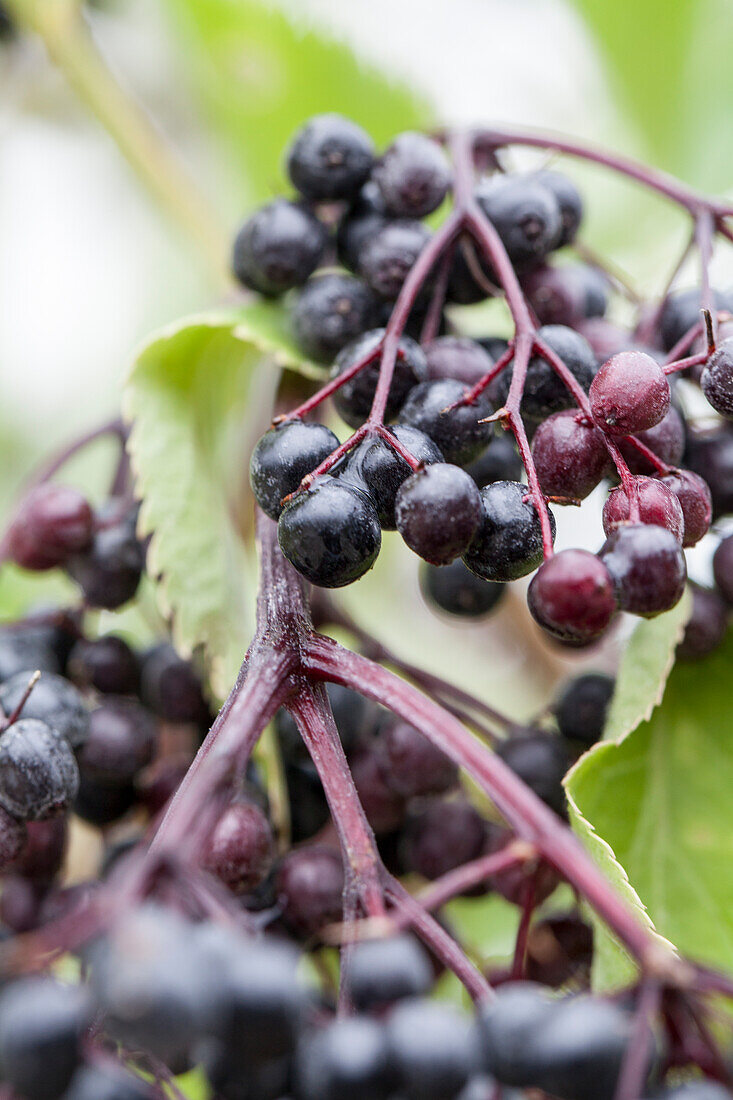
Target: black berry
508, 544
457, 432
282, 458
329, 312
456, 590
278, 248
330, 158
413, 176
438, 511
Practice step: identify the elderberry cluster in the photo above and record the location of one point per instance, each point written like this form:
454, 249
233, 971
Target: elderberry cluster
427, 461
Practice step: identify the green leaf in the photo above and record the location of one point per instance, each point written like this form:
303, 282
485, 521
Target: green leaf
199, 394
259, 74
646, 663
668, 67
660, 799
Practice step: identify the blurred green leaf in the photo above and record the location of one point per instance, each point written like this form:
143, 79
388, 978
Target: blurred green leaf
669, 65
645, 665
199, 394
194, 1085
259, 74
660, 800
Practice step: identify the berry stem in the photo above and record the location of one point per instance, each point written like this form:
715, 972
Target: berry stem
635, 1067
474, 873
520, 947
530, 819
330, 387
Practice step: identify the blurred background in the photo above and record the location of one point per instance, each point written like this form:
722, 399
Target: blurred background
90, 263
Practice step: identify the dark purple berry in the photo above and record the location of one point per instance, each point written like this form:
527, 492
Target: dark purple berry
440, 836
51, 523
457, 432
414, 765
13, 837
456, 590
572, 597
459, 358
666, 439
278, 247
282, 458
647, 566
171, 687
240, 850
330, 158
330, 532
434, 1048
121, 742
329, 312
682, 310
707, 625
363, 219
629, 394
570, 456
383, 805
107, 664
508, 543
353, 400
387, 258
582, 706
696, 503
438, 510
566, 295
544, 391
44, 851
723, 567
109, 572
103, 804
657, 504
711, 457
413, 176
310, 882
499, 462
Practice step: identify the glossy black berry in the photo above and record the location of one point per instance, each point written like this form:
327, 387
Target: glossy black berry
717, 379
582, 705
541, 761
310, 882
106, 664
456, 590
154, 991
711, 456
500, 461
508, 543
102, 804
278, 248
457, 432
53, 701
387, 258
568, 199
39, 776
240, 850
544, 392
22, 647
329, 312
171, 687
647, 566
525, 214
348, 1059
438, 511
330, 158
50, 524
413, 176
282, 458
382, 471
109, 572
362, 220
41, 1026
330, 532
121, 742
353, 400
682, 310
387, 970
434, 1048
707, 625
